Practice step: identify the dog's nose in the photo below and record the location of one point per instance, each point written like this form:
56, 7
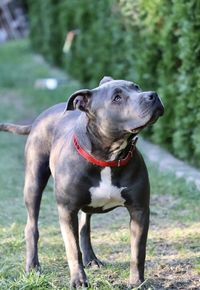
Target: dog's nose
151, 96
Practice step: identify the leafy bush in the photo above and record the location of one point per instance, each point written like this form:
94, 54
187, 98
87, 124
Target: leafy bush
153, 42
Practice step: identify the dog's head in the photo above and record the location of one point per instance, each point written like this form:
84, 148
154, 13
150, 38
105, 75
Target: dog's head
118, 106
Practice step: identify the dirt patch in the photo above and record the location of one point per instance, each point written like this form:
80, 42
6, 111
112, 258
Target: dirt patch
174, 275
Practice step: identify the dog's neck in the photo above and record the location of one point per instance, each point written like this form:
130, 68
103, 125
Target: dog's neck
95, 142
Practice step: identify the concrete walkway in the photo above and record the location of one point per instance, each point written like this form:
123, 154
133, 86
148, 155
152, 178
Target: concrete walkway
167, 162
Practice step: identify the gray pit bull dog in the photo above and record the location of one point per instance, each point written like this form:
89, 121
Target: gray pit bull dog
88, 147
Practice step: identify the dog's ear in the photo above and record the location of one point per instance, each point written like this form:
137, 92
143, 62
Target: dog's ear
105, 80
79, 100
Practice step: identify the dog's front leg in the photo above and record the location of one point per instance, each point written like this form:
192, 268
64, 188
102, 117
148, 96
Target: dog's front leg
89, 257
69, 228
139, 224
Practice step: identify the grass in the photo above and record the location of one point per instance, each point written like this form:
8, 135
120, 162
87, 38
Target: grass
173, 251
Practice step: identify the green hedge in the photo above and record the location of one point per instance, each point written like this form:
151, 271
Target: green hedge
153, 42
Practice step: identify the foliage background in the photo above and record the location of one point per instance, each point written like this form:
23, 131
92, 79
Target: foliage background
156, 43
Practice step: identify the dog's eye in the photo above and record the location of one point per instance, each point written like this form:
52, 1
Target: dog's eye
135, 87
117, 99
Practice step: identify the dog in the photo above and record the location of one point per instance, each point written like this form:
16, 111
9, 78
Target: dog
88, 146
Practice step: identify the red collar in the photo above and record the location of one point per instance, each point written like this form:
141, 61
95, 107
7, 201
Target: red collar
102, 163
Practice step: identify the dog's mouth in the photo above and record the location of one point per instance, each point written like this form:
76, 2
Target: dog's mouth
154, 117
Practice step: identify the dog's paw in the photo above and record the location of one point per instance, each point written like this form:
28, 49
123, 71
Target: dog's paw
79, 280
34, 266
137, 284
94, 263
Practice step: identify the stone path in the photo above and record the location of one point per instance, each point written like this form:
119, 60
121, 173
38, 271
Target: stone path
168, 162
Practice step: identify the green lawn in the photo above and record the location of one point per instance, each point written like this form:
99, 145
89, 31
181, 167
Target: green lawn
173, 252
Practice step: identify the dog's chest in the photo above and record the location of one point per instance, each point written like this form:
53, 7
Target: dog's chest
106, 195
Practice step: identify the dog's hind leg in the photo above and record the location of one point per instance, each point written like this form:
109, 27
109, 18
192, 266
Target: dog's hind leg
89, 257
36, 177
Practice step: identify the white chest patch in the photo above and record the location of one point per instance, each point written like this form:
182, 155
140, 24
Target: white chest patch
106, 195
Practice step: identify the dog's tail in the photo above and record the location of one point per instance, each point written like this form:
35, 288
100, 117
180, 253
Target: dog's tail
16, 129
